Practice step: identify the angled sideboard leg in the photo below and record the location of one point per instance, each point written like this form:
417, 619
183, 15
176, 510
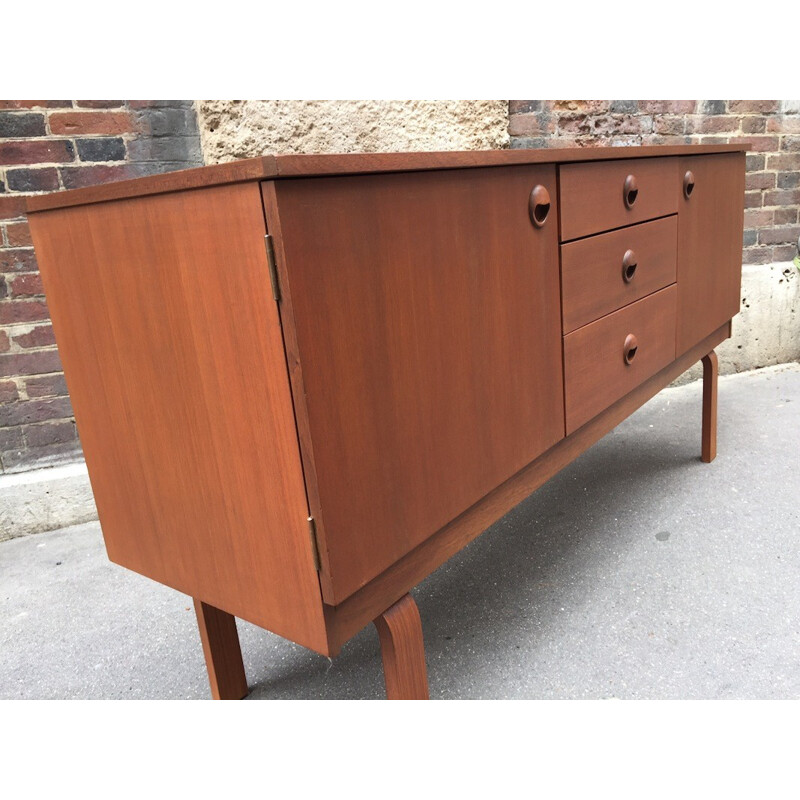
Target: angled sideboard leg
710, 372
222, 651
403, 651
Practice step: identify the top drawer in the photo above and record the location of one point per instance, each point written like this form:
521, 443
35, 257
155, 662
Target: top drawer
603, 195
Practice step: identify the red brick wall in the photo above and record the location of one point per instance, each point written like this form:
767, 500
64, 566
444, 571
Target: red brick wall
49, 145
772, 198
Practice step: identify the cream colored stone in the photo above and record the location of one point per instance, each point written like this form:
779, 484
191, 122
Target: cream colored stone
233, 129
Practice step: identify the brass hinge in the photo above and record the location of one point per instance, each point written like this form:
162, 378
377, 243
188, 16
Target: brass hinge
273, 270
312, 530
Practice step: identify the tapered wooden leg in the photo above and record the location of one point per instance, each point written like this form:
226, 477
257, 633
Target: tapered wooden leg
222, 651
403, 651
710, 372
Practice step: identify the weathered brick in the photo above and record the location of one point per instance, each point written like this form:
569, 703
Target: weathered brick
168, 122
26, 412
10, 104
584, 106
618, 125
528, 143
783, 235
782, 197
5, 344
712, 106
530, 124
786, 216
76, 177
753, 199
783, 124
20, 260
762, 144
720, 124
18, 234
784, 162
758, 218
11, 207
26, 284
37, 363
46, 386
99, 103
40, 336
790, 143
667, 106
49, 433
8, 392
32, 457
3, 287
759, 180
784, 252
788, 180
10, 439
753, 124
757, 255
44, 179
37, 151
749, 238
524, 106
73, 123
167, 148
138, 104
14, 125
13, 311
754, 106
101, 149
668, 124
755, 163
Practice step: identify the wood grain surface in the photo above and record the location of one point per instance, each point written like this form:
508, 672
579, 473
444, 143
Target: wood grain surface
595, 371
292, 166
403, 651
709, 435
426, 309
173, 355
348, 618
593, 201
709, 245
222, 652
592, 282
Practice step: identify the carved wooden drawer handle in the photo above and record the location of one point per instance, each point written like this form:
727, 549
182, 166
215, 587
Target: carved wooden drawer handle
630, 191
539, 205
629, 348
629, 264
688, 184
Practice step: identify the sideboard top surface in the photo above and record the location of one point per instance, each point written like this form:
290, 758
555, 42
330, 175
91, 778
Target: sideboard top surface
303, 166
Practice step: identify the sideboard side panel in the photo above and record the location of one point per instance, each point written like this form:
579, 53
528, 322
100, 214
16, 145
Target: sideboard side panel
710, 224
174, 359
427, 318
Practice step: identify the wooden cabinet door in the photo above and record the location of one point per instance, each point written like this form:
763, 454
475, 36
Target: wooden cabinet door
425, 308
709, 245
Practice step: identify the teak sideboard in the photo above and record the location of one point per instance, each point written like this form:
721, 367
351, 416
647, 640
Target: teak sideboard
304, 382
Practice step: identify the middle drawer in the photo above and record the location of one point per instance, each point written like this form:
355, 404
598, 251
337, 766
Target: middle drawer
606, 272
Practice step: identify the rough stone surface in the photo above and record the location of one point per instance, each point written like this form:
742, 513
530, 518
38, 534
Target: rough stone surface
45, 499
636, 572
767, 329
233, 129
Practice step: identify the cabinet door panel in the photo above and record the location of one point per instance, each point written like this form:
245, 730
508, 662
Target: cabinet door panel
709, 245
427, 322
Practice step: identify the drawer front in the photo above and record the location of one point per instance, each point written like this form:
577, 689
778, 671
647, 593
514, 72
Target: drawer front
604, 195
596, 370
606, 272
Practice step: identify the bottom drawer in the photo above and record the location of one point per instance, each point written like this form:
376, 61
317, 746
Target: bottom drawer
606, 359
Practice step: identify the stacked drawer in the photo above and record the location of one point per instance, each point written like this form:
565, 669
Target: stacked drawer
619, 235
